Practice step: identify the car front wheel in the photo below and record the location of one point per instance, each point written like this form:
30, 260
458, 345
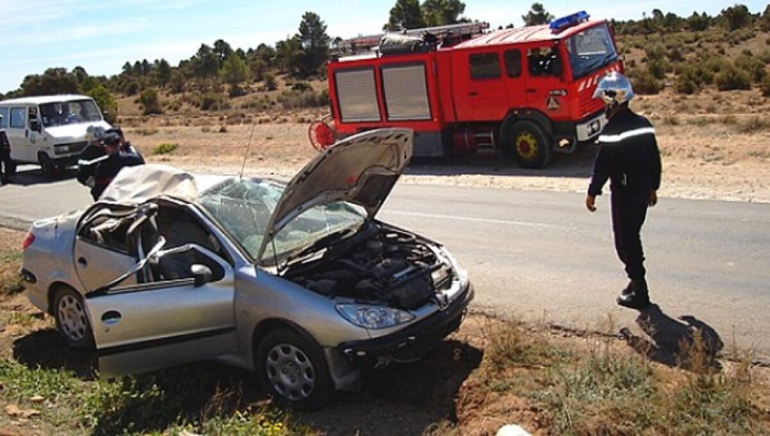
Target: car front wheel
71, 319
292, 368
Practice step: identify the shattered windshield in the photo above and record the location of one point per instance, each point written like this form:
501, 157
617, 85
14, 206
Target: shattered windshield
243, 207
69, 112
590, 50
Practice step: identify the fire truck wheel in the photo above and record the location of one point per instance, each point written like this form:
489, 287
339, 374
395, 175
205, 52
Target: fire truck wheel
529, 144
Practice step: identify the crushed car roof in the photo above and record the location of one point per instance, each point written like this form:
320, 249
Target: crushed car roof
135, 185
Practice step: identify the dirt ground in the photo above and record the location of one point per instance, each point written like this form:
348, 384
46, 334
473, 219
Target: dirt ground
714, 146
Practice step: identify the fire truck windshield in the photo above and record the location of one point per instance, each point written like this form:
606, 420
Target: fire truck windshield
590, 50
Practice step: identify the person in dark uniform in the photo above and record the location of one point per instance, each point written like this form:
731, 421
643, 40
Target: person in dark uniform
91, 156
125, 146
629, 158
108, 169
6, 164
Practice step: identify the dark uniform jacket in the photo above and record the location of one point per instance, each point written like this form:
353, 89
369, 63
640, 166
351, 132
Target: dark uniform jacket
89, 159
628, 157
5, 145
109, 168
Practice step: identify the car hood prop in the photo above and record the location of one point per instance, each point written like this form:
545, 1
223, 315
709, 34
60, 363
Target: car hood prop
361, 169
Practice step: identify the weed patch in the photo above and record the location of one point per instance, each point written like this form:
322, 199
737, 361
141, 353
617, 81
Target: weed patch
165, 148
10, 280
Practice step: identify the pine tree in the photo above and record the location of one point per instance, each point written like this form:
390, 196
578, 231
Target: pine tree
405, 14
537, 15
314, 45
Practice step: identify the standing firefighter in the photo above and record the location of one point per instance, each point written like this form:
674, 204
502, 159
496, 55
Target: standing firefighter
629, 157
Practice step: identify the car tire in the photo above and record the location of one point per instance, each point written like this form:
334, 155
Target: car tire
46, 165
293, 370
529, 144
69, 311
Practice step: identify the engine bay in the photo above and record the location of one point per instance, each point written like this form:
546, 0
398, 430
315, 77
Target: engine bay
378, 264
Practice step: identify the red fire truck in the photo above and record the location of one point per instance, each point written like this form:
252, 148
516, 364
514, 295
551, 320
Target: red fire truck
526, 92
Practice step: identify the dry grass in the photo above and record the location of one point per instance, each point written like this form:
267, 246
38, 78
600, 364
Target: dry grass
553, 385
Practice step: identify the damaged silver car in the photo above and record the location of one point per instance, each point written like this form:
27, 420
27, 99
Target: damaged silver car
298, 282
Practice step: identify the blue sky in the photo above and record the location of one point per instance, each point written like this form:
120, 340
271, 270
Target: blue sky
101, 35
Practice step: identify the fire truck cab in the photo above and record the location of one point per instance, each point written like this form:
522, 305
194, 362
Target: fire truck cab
525, 92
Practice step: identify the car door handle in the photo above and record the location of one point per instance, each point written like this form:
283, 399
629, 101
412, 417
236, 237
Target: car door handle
111, 317
531, 90
26, 133
82, 261
473, 94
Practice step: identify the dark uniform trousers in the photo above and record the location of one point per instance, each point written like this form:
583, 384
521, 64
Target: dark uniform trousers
630, 159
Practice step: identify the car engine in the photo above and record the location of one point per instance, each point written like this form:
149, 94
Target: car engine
380, 264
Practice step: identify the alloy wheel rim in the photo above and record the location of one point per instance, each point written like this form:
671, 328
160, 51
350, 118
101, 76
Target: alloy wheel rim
72, 318
290, 372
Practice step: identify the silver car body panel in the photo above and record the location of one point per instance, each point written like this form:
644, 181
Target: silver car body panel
221, 318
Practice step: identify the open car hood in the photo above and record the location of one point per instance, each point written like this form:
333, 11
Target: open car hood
361, 169
135, 185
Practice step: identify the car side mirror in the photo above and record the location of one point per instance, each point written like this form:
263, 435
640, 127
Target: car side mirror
202, 274
35, 126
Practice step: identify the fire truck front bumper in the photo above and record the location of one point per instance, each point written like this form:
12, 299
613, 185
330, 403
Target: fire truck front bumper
590, 129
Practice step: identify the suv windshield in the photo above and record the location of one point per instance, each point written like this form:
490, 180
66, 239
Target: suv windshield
244, 206
69, 112
590, 50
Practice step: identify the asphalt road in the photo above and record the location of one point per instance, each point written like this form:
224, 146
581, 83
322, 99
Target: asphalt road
540, 256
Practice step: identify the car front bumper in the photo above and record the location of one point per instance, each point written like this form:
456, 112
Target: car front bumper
415, 340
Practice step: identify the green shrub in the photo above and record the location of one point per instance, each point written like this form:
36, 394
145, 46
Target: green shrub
657, 68
270, 83
645, 83
213, 101
291, 99
259, 103
150, 102
765, 86
731, 79
655, 52
753, 66
675, 55
165, 148
132, 88
686, 85
301, 86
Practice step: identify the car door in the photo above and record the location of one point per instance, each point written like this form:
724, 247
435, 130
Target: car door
18, 135
149, 326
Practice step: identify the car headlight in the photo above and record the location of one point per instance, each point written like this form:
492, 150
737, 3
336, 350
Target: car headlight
373, 317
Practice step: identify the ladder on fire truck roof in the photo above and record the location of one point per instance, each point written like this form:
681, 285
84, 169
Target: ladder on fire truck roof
450, 32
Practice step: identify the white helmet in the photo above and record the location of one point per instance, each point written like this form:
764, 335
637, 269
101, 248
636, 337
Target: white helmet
94, 134
614, 88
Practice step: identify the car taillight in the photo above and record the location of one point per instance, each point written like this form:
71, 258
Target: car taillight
29, 239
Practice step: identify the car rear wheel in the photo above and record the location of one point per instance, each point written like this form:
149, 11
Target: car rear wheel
293, 370
529, 144
71, 319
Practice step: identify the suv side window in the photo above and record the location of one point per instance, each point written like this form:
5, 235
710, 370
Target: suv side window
512, 60
4, 119
18, 118
484, 66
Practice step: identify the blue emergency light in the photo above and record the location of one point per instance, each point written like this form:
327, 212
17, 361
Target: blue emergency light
562, 23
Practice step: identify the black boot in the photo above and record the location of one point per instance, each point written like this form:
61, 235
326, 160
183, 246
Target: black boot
635, 296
